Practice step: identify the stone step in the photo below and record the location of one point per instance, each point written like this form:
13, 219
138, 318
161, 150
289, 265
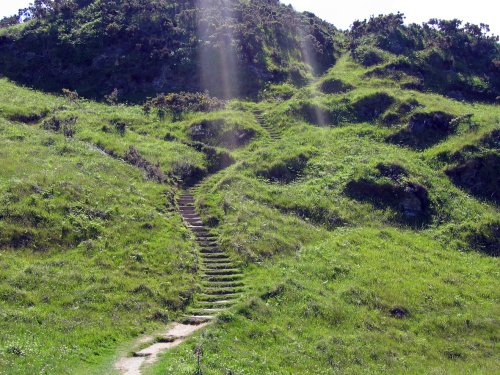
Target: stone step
205, 245
218, 297
209, 286
218, 266
196, 320
217, 291
195, 222
214, 250
215, 256
206, 312
221, 272
206, 237
191, 215
219, 304
222, 278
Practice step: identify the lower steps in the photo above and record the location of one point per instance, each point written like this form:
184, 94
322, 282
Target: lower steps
221, 279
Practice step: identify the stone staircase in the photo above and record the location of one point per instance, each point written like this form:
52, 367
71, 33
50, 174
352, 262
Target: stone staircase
272, 132
222, 282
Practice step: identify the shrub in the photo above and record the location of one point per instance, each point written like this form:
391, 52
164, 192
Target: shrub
368, 55
120, 126
178, 103
219, 133
112, 98
72, 96
66, 125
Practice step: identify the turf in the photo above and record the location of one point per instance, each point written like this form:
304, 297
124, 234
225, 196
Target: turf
94, 253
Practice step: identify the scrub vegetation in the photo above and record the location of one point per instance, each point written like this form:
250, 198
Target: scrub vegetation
360, 199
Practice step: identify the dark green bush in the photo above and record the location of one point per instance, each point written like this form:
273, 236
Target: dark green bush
177, 104
368, 55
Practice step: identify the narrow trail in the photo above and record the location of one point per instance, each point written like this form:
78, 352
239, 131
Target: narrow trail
222, 285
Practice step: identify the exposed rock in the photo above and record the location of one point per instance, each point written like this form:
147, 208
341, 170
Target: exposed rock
372, 106
334, 86
425, 130
410, 200
480, 176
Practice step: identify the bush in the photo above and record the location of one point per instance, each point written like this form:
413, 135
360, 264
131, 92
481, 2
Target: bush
178, 103
66, 125
368, 55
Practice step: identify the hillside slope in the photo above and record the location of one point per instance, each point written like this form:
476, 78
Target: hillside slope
144, 47
353, 230
358, 195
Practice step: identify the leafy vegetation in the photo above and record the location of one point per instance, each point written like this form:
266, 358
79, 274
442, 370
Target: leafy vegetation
143, 47
460, 61
362, 205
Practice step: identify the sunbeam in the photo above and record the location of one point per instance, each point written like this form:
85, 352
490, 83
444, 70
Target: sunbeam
217, 53
306, 49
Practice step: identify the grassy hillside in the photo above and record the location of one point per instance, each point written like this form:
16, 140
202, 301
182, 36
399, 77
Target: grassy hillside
346, 281
368, 228
91, 253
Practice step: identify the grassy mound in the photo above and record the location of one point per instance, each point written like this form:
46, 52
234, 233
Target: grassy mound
91, 255
220, 133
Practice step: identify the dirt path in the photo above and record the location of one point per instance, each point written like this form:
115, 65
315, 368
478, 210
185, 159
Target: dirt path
222, 285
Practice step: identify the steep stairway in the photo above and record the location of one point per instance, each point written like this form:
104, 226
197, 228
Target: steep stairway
221, 278
221, 287
271, 131
221, 282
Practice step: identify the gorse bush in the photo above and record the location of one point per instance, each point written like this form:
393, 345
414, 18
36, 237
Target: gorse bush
143, 47
176, 104
368, 55
447, 56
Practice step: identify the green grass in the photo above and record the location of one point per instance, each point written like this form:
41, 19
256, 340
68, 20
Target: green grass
91, 254
326, 309
323, 268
